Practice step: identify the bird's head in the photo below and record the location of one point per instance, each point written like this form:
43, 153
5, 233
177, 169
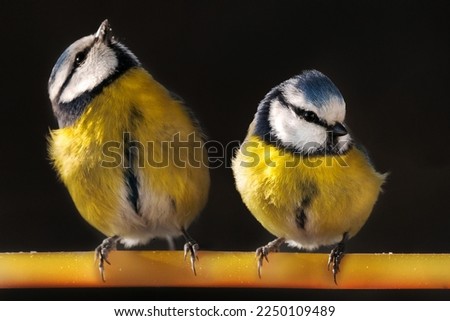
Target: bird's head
83, 69
305, 114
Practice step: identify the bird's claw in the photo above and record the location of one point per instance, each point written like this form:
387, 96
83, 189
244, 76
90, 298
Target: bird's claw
263, 252
191, 248
102, 251
334, 260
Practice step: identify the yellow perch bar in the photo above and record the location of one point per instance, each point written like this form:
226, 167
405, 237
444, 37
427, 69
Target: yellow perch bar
224, 269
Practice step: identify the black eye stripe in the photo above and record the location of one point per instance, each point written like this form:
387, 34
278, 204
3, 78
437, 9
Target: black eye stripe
80, 57
307, 115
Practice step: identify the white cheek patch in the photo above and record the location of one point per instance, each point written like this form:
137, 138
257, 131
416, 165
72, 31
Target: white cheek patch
294, 131
100, 63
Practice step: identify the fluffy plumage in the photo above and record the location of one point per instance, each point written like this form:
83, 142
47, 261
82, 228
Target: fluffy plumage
116, 147
298, 171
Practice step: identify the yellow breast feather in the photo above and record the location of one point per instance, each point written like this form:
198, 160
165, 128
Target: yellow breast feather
340, 190
137, 107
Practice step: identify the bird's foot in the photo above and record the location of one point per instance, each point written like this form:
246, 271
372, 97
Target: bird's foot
102, 251
191, 248
335, 257
263, 252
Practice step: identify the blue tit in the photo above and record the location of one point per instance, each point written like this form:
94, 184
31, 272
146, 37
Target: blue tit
130, 153
299, 172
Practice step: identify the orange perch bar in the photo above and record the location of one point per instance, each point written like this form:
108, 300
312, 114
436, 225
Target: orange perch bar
224, 269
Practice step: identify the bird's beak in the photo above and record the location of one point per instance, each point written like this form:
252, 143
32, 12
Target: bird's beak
104, 32
339, 130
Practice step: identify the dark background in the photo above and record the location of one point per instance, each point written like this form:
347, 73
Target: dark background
390, 61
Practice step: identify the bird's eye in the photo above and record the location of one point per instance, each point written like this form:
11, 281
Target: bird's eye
310, 116
79, 58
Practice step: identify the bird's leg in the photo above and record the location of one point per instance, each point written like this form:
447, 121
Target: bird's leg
192, 247
102, 252
263, 251
336, 255
170, 243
